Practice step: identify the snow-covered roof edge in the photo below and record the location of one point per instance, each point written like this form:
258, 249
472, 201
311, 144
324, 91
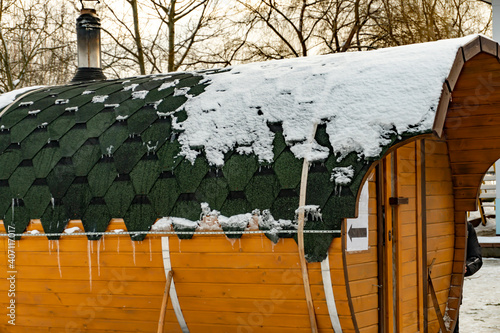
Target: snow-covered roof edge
10, 97
475, 46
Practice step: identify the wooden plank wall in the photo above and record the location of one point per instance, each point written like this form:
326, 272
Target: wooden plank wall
406, 240
58, 291
472, 127
363, 272
440, 224
247, 285
472, 131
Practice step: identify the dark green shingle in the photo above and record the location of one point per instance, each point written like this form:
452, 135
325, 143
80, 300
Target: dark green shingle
54, 219
61, 177
21, 179
102, 176
129, 154
18, 217
164, 194
145, 174
34, 142
88, 165
119, 196
77, 198
38, 198
140, 216
238, 170
9, 161
96, 217
86, 157
46, 159
190, 175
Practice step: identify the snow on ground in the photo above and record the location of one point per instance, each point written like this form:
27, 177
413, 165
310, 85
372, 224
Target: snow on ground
490, 228
480, 311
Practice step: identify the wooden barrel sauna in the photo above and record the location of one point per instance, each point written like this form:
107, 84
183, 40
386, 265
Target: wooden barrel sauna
322, 194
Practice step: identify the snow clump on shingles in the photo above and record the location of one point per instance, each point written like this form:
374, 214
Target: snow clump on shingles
181, 91
131, 87
61, 101
181, 223
311, 212
99, 99
163, 224
267, 222
72, 230
342, 175
140, 94
362, 97
239, 221
167, 85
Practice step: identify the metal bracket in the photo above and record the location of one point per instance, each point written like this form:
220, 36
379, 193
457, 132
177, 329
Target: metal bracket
398, 201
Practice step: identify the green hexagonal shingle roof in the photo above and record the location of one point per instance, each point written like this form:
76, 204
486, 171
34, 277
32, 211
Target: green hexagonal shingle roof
147, 147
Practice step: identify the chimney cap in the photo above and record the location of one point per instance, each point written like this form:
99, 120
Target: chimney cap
84, 7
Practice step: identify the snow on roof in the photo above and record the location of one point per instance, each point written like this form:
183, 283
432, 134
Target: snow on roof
9, 97
361, 96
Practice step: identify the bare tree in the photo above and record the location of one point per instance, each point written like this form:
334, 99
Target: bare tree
402, 22
35, 43
174, 29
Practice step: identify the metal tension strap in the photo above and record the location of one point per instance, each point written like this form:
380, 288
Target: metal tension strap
300, 238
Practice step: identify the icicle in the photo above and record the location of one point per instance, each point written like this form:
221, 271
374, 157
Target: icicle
90, 263
53, 202
179, 245
50, 243
92, 247
239, 243
118, 245
99, 257
262, 240
133, 250
103, 243
58, 258
150, 252
232, 241
272, 246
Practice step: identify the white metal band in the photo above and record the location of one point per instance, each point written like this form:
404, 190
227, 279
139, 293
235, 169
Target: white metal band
173, 293
330, 299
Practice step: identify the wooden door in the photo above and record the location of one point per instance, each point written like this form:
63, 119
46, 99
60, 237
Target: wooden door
401, 254
387, 265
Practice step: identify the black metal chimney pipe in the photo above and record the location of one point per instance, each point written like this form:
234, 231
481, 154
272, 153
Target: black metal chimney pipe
88, 31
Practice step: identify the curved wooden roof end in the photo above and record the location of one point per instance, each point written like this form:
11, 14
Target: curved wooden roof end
465, 53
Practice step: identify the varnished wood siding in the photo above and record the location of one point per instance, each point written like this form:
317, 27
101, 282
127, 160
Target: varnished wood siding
406, 240
246, 285
440, 224
472, 127
472, 131
363, 271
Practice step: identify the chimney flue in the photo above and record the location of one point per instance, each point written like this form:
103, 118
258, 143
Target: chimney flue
88, 31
